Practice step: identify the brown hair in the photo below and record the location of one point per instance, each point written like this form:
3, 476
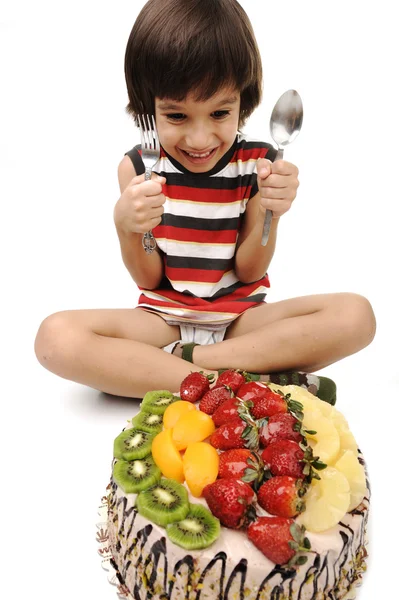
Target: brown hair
177, 47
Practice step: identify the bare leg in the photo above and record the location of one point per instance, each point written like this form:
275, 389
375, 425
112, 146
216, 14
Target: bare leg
306, 333
116, 351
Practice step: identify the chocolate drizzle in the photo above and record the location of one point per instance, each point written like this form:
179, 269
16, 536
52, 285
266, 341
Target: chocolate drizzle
144, 565
222, 557
239, 570
188, 562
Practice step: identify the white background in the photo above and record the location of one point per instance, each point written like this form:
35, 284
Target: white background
63, 130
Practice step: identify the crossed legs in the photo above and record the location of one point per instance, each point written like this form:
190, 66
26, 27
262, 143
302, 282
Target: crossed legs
119, 351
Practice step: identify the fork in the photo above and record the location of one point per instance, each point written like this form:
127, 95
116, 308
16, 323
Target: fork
150, 152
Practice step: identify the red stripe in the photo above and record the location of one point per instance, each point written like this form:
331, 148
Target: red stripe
193, 275
246, 154
178, 192
224, 306
195, 235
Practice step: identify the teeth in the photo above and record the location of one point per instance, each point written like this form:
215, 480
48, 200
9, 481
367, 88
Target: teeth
199, 155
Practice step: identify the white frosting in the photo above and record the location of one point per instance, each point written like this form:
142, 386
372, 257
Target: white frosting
336, 560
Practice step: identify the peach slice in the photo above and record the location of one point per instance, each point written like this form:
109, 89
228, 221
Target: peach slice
194, 426
167, 457
201, 466
175, 411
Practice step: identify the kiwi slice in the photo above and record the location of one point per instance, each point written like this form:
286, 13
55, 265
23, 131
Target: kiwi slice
147, 421
132, 444
157, 402
136, 475
199, 529
163, 503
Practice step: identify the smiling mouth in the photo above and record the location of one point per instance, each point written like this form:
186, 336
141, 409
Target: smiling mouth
199, 156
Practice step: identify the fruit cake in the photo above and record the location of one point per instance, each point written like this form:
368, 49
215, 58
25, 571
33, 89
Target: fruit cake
241, 490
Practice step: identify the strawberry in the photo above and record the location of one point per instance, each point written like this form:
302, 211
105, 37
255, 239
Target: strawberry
232, 378
251, 390
281, 496
241, 464
236, 434
231, 501
281, 426
279, 539
284, 457
271, 404
214, 398
194, 386
227, 412
268, 405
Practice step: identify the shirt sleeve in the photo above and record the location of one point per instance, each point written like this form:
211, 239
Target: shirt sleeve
136, 159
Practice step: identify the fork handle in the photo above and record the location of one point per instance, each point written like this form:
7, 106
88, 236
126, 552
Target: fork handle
148, 241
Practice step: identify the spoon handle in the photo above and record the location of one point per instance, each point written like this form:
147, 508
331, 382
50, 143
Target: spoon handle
269, 214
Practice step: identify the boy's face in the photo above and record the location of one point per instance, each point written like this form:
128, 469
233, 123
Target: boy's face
198, 134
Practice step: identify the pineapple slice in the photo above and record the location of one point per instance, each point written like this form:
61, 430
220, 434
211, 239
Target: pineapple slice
309, 401
350, 466
325, 442
327, 501
347, 439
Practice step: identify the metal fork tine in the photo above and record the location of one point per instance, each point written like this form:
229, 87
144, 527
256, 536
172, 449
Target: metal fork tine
156, 138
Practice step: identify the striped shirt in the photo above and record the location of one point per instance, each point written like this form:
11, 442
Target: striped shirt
198, 235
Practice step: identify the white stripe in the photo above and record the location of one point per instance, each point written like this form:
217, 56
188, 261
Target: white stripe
153, 296
188, 314
204, 210
195, 249
200, 289
240, 167
205, 290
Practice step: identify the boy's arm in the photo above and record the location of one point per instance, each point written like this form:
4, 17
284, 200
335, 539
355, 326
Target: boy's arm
145, 269
252, 259
277, 184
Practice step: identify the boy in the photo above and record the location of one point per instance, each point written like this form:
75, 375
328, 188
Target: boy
195, 65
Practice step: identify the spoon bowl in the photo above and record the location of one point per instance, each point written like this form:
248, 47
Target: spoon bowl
285, 124
286, 119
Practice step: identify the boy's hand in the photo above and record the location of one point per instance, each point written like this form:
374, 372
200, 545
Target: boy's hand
140, 207
277, 183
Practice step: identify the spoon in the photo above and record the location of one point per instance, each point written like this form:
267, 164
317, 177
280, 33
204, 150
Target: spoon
285, 124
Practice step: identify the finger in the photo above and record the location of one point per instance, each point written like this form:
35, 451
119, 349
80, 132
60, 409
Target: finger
156, 212
146, 189
154, 222
277, 206
155, 201
282, 167
274, 181
263, 167
273, 193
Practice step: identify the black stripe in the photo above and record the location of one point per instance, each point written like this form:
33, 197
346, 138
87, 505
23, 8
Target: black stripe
212, 183
254, 298
136, 159
271, 151
224, 291
210, 264
195, 177
201, 224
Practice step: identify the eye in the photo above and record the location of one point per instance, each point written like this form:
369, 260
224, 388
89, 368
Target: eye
220, 114
176, 117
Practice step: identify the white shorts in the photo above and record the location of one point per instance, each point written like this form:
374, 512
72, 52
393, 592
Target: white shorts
198, 335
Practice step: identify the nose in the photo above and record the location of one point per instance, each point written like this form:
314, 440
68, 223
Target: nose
199, 137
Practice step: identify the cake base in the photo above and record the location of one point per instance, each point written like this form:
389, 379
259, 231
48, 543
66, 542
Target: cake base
115, 578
